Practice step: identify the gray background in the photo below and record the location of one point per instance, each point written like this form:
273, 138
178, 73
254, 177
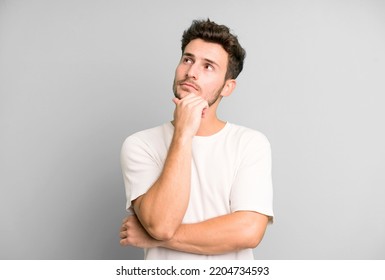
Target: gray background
78, 77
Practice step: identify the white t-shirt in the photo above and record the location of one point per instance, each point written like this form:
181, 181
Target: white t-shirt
230, 171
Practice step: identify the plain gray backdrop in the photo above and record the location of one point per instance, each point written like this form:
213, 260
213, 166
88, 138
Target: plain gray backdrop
78, 77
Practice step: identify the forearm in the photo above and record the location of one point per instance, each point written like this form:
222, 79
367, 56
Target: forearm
162, 208
228, 233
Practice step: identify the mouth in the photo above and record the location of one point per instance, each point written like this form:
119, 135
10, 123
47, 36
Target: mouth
188, 85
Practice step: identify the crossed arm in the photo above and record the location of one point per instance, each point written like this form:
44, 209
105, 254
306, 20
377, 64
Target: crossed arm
228, 233
157, 221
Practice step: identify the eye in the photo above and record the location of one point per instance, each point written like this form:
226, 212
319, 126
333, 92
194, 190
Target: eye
187, 60
209, 67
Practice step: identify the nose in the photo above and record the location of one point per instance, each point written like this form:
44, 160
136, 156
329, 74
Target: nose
192, 72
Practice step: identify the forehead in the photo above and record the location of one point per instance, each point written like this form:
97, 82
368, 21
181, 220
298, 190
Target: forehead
201, 49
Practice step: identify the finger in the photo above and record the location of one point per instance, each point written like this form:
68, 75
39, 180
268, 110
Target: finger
196, 98
123, 242
201, 104
123, 234
204, 112
194, 101
177, 100
123, 228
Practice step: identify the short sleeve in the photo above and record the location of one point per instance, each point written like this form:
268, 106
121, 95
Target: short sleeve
140, 170
252, 189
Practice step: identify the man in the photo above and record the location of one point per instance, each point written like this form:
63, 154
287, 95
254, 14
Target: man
198, 187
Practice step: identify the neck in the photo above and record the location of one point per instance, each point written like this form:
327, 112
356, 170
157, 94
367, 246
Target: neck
210, 123
207, 129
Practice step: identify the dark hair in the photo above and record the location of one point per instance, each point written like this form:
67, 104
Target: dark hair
209, 31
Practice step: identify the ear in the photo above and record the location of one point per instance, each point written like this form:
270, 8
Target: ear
229, 87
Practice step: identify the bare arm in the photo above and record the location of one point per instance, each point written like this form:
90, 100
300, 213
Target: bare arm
162, 208
228, 233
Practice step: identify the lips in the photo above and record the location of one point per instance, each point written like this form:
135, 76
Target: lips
190, 85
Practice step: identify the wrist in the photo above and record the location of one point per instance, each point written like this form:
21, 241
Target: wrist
181, 137
182, 131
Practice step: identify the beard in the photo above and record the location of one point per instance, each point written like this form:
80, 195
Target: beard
210, 102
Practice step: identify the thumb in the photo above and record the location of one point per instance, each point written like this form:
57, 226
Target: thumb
176, 100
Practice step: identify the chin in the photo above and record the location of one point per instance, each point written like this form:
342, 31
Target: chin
181, 93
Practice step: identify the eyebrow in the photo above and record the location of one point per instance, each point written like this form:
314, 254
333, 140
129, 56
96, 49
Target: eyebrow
205, 59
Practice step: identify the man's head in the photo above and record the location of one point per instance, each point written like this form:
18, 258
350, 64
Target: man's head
209, 31
211, 60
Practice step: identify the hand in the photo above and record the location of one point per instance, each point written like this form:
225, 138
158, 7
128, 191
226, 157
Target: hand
132, 233
188, 114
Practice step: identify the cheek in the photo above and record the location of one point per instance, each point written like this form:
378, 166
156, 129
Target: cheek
179, 71
211, 86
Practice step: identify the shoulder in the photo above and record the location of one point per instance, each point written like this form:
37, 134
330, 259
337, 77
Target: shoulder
149, 137
150, 133
248, 136
252, 146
